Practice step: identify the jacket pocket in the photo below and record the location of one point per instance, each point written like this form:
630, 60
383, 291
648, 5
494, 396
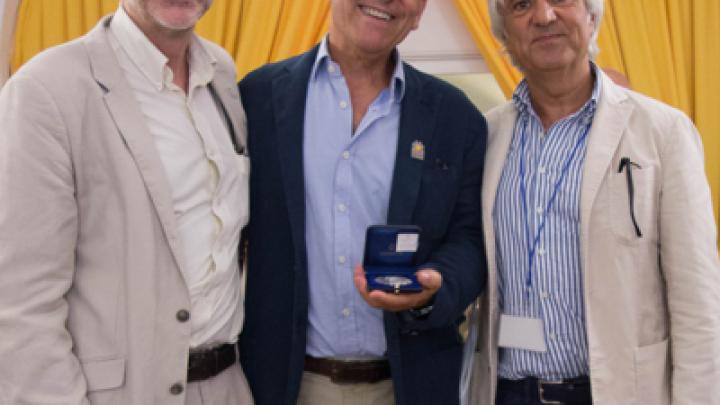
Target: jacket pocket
104, 374
644, 210
652, 376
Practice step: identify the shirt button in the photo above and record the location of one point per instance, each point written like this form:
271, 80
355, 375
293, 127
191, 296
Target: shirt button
552, 336
331, 69
342, 259
343, 105
176, 389
539, 210
346, 155
544, 295
541, 170
182, 315
541, 252
341, 207
346, 312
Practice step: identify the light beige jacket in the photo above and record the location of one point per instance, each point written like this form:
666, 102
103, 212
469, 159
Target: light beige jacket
90, 283
652, 303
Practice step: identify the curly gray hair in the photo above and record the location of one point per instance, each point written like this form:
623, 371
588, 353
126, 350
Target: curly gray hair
595, 9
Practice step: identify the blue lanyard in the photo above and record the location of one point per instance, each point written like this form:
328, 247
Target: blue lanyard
532, 246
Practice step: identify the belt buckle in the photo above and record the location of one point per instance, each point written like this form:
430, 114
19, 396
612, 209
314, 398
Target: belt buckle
541, 392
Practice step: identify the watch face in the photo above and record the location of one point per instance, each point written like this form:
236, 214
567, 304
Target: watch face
393, 281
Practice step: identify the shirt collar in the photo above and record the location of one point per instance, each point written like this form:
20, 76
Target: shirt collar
323, 63
153, 63
521, 96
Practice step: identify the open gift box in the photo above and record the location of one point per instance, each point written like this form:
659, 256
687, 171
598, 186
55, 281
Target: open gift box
389, 260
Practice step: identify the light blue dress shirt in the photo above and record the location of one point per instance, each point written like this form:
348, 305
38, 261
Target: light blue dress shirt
554, 290
347, 188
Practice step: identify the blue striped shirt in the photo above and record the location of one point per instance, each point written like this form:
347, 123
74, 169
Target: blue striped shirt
553, 291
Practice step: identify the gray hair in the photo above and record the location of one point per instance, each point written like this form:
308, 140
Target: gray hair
595, 9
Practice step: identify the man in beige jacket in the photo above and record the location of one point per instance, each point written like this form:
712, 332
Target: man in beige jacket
121, 204
604, 283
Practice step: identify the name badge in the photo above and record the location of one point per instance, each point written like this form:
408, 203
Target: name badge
517, 332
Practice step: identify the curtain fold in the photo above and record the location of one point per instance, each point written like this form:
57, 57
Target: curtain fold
8, 16
668, 49
254, 32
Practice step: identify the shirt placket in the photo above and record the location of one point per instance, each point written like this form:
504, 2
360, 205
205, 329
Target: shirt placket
215, 163
548, 164
342, 225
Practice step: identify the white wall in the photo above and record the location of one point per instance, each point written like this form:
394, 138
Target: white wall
444, 47
442, 44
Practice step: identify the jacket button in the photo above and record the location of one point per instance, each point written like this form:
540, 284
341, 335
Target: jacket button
176, 389
182, 315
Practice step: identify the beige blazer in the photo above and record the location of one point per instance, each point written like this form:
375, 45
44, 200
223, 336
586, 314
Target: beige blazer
90, 281
652, 303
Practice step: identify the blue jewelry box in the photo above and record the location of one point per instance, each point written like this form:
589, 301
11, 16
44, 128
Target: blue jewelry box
389, 260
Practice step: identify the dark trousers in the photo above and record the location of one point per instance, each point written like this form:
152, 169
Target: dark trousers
531, 391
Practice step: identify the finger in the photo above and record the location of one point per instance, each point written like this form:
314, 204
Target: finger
398, 302
360, 281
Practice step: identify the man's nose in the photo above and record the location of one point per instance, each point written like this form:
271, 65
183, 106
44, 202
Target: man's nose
543, 12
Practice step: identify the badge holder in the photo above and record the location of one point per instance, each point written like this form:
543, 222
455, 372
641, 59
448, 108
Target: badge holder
389, 260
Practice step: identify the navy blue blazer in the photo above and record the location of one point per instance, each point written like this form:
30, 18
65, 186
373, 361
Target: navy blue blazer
441, 194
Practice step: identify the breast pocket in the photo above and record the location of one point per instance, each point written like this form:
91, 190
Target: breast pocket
634, 202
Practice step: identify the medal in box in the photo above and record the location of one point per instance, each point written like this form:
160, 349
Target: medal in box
389, 260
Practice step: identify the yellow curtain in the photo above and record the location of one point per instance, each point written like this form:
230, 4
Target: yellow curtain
44, 23
668, 49
254, 32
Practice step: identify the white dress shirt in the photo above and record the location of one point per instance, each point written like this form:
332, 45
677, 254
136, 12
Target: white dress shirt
208, 180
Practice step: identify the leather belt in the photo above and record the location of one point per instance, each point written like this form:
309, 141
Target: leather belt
571, 391
349, 371
208, 363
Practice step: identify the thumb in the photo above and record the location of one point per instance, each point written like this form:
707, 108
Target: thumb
429, 279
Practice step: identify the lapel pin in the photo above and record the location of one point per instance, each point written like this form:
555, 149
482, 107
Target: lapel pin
418, 150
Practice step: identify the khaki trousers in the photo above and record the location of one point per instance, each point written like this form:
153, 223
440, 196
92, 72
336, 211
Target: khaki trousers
227, 388
316, 389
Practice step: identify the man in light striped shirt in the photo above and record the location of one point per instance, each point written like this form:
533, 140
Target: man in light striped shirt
602, 250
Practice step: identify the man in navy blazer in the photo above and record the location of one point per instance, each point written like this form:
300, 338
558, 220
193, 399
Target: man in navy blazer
342, 137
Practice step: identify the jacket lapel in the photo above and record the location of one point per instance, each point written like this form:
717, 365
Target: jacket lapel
128, 118
289, 92
417, 124
501, 123
607, 129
